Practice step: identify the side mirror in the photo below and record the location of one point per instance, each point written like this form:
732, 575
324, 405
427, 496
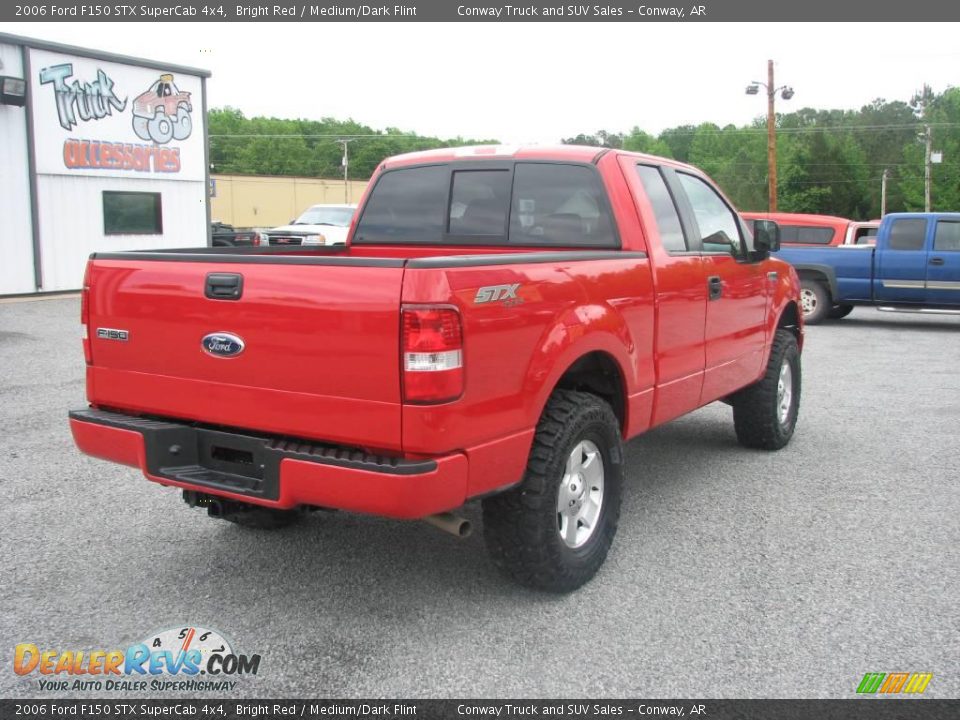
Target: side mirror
766, 236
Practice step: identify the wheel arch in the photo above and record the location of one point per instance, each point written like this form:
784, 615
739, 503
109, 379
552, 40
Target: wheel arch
820, 273
790, 320
597, 372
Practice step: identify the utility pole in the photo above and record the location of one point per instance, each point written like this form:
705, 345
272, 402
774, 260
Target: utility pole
771, 141
883, 192
786, 92
926, 171
346, 165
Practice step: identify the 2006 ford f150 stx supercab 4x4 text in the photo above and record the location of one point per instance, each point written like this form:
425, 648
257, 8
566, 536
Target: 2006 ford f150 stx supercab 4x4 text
498, 323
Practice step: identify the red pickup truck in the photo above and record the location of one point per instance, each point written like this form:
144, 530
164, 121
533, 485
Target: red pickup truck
498, 323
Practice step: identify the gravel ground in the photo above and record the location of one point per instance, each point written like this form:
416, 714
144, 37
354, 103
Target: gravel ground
735, 573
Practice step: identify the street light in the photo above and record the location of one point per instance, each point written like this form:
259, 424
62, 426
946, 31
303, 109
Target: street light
786, 92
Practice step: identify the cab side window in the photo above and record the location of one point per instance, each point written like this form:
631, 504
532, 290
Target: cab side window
947, 237
664, 209
719, 229
908, 234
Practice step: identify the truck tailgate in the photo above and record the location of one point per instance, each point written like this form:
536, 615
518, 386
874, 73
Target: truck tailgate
320, 356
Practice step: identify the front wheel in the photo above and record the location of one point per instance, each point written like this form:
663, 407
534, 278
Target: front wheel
814, 301
765, 413
554, 530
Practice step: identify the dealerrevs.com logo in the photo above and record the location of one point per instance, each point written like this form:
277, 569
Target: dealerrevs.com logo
188, 659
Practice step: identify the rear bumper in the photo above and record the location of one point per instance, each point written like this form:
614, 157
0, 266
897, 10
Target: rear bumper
270, 471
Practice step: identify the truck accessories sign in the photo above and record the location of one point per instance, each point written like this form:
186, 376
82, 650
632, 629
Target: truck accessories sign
102, 118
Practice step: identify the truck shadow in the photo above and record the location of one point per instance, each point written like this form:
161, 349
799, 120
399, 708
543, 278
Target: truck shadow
921, 324
395, 571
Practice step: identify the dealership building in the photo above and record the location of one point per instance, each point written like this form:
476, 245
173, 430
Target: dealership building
98, 152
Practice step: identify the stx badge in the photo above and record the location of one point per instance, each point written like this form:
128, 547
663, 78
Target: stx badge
492, 293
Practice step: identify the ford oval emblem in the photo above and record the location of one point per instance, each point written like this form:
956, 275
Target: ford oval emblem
222, 344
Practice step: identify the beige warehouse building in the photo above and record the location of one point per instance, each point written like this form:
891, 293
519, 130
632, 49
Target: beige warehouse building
252, 201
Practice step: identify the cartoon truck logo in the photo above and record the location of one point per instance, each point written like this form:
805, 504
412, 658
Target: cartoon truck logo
162, 113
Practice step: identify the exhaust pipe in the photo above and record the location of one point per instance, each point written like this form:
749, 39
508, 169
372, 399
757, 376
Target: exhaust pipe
453, 524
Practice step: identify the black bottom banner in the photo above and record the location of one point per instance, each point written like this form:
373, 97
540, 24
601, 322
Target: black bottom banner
209, 709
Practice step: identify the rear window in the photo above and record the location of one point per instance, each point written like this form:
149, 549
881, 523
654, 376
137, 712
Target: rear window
479, 202
542, 204
806, 235
559, 205
407, 205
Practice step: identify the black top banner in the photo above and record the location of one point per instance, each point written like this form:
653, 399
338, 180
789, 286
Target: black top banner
471, 11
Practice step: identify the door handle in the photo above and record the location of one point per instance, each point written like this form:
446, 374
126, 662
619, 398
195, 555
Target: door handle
715, 287
936, 261
224, 286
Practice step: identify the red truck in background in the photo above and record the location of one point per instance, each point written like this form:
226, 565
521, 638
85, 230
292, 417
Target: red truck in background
819, 230
498, 323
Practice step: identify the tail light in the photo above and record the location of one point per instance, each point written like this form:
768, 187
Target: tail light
85, 315
432, 354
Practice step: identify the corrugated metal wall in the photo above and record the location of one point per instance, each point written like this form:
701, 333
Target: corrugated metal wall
16, 237
71, 222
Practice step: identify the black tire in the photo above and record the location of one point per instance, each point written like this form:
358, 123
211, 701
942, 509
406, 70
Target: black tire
840, 311
756, 409
521, 526
814, 301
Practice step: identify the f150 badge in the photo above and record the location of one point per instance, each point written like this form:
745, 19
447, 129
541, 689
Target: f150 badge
222, 344
505, 293
113, 334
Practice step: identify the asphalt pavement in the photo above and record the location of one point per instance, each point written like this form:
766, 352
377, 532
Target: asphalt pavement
735, 573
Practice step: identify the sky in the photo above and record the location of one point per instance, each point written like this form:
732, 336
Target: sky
533, 82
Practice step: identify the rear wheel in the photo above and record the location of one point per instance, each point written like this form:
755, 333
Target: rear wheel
814, 300
840, 311
554, 530
765, 414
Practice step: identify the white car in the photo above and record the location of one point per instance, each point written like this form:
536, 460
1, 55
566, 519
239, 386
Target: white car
319, 225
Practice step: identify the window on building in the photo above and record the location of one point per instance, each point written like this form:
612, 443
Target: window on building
132, 213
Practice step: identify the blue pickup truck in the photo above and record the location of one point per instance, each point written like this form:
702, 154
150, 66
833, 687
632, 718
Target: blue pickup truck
914, 265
